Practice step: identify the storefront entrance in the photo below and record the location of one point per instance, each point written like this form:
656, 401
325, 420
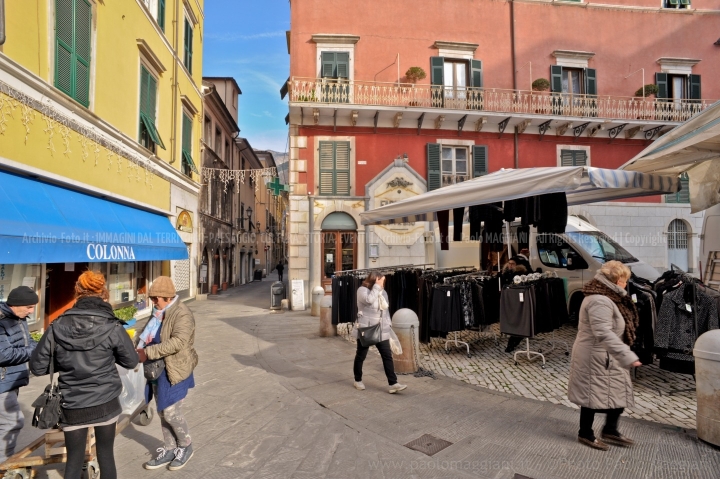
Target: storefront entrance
339, 246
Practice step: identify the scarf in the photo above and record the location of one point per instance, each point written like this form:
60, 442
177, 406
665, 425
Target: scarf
154, 324
624, 304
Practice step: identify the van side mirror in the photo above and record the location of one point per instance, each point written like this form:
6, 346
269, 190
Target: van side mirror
575, 261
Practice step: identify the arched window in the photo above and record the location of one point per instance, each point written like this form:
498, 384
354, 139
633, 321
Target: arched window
678, 244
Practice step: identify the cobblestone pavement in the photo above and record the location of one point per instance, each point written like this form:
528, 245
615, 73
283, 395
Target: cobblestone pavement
274, 400
491, 367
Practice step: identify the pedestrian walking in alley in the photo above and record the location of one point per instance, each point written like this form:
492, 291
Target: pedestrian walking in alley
372, 303
169, 337
601, 356
16, 347
88, 341
280, 269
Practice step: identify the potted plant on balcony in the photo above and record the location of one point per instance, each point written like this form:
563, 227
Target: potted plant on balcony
541, 84
650, 91
412, 75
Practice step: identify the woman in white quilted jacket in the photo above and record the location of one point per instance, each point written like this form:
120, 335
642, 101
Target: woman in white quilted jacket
372, 303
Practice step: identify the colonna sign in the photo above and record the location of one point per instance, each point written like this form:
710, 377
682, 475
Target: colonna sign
104, 252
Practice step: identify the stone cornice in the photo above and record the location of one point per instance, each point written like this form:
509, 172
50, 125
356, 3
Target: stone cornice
573, 54
150, 56
684, 62
460, 46
339, 38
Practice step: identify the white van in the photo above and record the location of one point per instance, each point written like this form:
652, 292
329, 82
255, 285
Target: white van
576, 255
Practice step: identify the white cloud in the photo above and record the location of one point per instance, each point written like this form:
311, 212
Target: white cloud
230, 37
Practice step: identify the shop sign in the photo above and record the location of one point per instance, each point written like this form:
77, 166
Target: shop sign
184, 222
109, 252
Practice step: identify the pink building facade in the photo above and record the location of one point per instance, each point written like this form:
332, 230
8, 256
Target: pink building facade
507, 85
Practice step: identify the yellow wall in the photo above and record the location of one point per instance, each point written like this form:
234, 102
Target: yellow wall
115, 87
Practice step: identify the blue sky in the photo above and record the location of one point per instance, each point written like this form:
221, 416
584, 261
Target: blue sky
245, 40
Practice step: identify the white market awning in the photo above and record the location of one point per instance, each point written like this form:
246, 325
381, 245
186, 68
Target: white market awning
689, 148
581, 184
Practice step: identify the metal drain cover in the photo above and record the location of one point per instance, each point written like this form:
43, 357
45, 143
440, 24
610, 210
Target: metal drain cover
428, 444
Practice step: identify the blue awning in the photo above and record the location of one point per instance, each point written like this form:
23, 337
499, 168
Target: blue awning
42, 223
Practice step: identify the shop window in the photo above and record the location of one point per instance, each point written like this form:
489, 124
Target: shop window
121, 283
73, 42
450, 164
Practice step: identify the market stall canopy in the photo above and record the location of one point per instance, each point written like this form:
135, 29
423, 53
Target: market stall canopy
580, 183
688, 148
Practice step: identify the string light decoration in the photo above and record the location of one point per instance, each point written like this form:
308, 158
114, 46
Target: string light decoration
237, 177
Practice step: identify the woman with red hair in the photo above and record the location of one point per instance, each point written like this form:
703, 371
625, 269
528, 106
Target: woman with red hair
89, 341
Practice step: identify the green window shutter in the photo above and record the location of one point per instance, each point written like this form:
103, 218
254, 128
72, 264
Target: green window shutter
144, 80
476, 73
480, 164
188, 45
580, 158
328, 69
437, 70
434, 177
683, 195
342, 62
148, 102
695, 91
73, 38
161, 14
83, 41
590, 81
556, 78
342, 168
64, 45
661, 80
573, 158
327, 167
187, 143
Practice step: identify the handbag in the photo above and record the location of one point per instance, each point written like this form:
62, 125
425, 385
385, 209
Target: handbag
370, 335
47, 405
153, 369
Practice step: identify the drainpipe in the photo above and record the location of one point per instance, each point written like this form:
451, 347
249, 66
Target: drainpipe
311, 235
173, 146
2, 22
514, 75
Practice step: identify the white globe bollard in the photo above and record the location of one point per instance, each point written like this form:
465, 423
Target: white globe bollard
317, 295
407, 327
327, 328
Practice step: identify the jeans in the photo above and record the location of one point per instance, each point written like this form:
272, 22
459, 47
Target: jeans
174, 426
11, 422
587, 416
385, 353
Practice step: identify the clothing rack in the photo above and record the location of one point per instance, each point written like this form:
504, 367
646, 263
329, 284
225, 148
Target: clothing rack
383, 268
529, 353
689, 279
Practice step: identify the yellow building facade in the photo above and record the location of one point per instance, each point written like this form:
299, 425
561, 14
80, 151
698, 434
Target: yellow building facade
102, 99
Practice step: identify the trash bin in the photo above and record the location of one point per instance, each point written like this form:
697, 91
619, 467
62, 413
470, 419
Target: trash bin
407, 328
317, 295
277, 293
707, 383
258, 275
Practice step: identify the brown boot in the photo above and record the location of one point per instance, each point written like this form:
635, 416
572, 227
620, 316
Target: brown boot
596, 444
618, 439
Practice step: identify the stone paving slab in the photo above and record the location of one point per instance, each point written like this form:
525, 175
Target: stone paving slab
273, 400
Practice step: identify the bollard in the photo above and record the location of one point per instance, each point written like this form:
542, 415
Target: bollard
277, 292
407, 328
327, 328
317, 295
707, 383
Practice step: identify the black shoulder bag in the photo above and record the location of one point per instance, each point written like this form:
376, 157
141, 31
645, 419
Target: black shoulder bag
47, 405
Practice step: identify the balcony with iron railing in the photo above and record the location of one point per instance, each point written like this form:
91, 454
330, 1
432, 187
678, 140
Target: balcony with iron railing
323, 92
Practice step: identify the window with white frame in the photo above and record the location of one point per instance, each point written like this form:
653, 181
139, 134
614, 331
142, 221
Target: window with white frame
573, 155
454, 164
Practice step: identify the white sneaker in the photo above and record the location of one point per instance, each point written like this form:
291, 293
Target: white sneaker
359, 385
396, 387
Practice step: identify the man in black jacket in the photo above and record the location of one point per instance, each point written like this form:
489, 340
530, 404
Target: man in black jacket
16, 347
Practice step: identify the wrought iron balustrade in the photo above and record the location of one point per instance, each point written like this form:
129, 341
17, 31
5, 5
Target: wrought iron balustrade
496, 100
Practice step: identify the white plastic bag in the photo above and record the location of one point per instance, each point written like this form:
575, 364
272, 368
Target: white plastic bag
133, 391
395, 345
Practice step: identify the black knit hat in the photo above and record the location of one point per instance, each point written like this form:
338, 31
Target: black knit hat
22, 296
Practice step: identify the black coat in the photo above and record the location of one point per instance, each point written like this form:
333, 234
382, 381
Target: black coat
89, 342
16, 346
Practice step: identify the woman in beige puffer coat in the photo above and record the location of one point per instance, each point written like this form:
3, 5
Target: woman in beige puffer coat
601, 356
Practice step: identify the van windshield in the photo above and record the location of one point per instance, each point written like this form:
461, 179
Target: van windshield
600, 246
